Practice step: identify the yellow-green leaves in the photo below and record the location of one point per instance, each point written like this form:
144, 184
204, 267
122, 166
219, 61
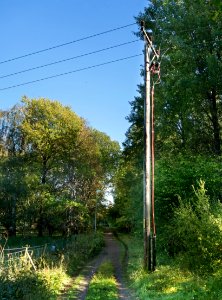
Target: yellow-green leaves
48, 126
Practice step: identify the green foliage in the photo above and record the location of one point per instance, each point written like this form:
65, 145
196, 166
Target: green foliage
81, 248
26, 284
188, 114
32, 240
52, 167
188, 100
53, 271
196, 233
170, 281
103, 284
134, 143
128, 208
108, 152
175, 177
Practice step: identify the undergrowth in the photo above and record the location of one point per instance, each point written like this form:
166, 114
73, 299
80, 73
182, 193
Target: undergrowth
170, 281
189, 253
53, 271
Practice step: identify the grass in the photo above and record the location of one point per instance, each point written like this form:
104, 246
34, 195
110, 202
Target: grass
103, 286
72, 289
53, 271
170, 281
26, 284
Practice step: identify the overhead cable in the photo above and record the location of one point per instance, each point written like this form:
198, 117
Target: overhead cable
68, 43
70, 72
67, 59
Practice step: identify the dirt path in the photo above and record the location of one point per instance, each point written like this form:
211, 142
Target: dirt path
111, 252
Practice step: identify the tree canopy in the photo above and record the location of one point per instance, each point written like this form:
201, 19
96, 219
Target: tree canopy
188, 110
61, 164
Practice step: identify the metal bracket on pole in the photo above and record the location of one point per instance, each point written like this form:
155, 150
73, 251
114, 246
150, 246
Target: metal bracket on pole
148, 39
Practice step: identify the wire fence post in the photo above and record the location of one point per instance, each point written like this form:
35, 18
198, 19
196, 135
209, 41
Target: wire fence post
28, 256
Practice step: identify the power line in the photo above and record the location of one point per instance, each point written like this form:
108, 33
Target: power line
68, 43
70, 72
67, 59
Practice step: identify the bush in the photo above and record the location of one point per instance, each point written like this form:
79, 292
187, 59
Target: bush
26, 284
82, 248
196, 232
176, 176
169, 281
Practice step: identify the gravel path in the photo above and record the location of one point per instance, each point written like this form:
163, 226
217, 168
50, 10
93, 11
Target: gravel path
111, 252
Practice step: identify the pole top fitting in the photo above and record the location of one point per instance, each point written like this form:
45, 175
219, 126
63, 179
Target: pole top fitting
142, 25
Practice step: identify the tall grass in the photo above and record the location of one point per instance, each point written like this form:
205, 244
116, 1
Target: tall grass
170, 281
52, 271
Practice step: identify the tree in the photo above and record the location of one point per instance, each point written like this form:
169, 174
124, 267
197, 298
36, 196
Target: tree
13, 189
128, 208
188, 107
189, 103
12, 168
51, 131
55, 169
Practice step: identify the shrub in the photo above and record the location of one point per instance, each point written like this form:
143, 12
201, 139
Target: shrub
196, 232
81, 248
176, 176
26, 284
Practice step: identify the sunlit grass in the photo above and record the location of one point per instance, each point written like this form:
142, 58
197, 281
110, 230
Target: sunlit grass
170, 281
52, 274
73, 290
103, 285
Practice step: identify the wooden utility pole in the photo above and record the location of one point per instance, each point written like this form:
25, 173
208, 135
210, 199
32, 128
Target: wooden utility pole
148, 202
147, 163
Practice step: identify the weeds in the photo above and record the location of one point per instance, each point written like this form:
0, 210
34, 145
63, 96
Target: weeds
52, 272
170, 281
103, 285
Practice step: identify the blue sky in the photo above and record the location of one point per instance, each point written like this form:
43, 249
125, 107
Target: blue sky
100, 95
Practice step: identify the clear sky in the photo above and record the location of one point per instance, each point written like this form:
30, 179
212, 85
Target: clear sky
101, 95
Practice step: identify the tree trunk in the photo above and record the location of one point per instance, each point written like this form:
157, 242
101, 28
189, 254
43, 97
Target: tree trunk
215, 122
12, 228
40, 224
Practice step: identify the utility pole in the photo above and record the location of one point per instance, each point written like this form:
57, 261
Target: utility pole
147, 164
148, 202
